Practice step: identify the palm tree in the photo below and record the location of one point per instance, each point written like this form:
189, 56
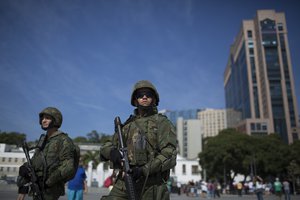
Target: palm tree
91, 156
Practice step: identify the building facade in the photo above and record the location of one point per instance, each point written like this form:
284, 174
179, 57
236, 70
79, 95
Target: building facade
258, 79
212, 121
189, 136
185, 114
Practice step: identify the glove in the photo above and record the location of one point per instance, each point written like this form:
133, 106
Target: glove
116, 158
137, 172
24, 171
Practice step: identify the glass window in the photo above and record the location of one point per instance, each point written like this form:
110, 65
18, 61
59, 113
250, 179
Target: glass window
195, 169
258, 126
249, 33
280, 26
252, 126
183, 169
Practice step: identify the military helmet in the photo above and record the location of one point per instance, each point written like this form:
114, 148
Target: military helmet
144, 84
54, 113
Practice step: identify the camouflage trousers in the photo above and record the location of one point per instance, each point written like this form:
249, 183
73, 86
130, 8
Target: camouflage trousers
153, 192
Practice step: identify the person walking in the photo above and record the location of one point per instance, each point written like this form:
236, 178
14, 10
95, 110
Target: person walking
239, 187
55, 159
259, 187
150, 140
286, 189
278, 188
78, 185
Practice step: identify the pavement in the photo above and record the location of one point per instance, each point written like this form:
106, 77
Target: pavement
9, 192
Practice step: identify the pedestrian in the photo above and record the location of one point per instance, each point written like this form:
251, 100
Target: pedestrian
259, 187
278, 188
239, 187
218, 189
55, 159
286, 189
151, 145
78, 185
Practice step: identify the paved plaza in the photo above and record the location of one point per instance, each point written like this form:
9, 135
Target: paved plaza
9, 192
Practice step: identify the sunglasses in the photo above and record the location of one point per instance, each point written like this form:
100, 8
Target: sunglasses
141, 94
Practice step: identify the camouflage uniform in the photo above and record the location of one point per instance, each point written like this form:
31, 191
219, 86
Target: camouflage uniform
151, 144
54, 162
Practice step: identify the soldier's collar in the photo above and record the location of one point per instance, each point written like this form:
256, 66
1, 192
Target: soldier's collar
55, 134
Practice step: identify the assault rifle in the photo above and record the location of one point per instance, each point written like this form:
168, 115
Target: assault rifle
35, 187
123, 150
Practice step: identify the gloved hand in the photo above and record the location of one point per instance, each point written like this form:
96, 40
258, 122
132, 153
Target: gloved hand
24, 171
137, 172
116, 158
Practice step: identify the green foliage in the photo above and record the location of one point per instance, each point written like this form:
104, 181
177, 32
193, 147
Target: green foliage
293, 169
12, 138
232, 151
80, 139
92, 137
91, 156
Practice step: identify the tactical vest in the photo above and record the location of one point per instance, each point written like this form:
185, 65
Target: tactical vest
46, 160
141, 139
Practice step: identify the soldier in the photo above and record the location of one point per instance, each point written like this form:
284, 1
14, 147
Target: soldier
54, 161
151, 143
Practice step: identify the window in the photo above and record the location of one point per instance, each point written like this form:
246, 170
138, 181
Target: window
195, 170
280, 26
16, 159
173, 170
252, 127
183, 169
249, 33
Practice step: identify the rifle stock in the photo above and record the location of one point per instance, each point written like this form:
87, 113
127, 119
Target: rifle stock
35, 187
123, 150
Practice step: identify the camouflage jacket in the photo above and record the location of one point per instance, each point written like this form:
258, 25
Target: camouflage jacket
151, 143
55, 163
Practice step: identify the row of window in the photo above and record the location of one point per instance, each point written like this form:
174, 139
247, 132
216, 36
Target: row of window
259, 127
9, 169
4, 159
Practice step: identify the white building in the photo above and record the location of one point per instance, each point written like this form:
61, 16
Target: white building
184, 171
11, 158
212, 121
189, 136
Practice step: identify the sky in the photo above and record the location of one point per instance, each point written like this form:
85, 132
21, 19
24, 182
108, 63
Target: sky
84, 56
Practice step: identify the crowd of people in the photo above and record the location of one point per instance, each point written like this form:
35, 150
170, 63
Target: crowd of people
214, 189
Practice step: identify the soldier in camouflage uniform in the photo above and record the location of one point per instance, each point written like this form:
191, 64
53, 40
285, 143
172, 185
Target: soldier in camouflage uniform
53, 161
151, 143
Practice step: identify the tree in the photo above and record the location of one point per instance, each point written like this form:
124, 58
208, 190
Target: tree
225, 154
235, 152
93, 137
91, 156
272, 155
80, 139
293, 169
12, 138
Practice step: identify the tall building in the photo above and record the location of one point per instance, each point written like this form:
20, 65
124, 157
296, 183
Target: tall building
185, 114
189, 136
212, 121
258, 79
